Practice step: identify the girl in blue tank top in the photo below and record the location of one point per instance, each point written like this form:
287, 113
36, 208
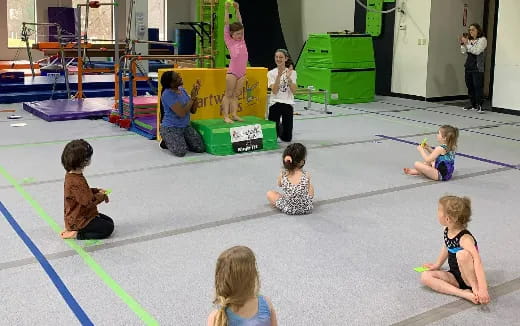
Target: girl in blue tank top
236, 292
439, 162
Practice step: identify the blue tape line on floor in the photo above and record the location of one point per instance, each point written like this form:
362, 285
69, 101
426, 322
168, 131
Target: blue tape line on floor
65, 293
481, 159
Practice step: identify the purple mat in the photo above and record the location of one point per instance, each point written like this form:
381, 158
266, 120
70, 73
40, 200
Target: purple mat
147, 124
60, 110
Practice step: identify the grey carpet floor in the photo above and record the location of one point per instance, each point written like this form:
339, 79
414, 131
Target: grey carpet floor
349, 263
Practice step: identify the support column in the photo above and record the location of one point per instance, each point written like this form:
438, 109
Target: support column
140, 28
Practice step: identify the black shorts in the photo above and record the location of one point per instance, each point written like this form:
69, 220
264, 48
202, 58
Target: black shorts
460, 280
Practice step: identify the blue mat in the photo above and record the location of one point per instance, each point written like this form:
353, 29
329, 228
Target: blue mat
40, 88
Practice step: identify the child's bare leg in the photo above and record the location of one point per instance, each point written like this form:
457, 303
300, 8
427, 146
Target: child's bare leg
411, 171
65, 234
233, 107
467, 269
445, 282
427, 170
239, 89
227, 101
273, 196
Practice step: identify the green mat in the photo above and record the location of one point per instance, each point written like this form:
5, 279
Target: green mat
343, 65
343, 85
338, 51
217, 137
143, 124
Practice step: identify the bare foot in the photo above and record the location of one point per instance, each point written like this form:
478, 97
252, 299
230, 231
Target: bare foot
228, 120
68, 234
470, 296
237, 118
411, 171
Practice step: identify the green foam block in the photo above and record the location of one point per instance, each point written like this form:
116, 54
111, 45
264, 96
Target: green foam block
108, 191
217, 138
421, 269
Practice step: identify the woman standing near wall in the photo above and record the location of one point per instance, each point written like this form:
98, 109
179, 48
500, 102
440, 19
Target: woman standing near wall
473, 45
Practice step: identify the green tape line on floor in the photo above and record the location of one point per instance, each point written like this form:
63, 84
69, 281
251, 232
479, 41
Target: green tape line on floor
96, 268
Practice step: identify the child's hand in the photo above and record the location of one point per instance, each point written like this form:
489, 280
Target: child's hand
431, 267
289, 74
420, 148
104, 192
483, 296
235, 4
228, 4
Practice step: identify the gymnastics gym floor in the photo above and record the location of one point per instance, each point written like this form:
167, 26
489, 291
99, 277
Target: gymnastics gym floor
348, 263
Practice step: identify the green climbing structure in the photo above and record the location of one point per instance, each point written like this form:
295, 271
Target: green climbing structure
374, 17
211, 14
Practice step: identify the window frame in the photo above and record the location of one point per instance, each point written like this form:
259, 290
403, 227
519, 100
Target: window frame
112, 23
22, 44
165, 20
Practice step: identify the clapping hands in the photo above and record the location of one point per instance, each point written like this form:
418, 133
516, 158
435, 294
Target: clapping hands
195, 89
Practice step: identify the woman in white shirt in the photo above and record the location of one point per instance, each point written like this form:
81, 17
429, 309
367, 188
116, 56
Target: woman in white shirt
474, 46
282, 82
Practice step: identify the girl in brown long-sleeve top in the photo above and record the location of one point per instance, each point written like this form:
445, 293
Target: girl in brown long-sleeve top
82, 219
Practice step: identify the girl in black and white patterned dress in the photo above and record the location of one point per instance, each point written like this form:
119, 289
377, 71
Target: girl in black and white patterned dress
298, 191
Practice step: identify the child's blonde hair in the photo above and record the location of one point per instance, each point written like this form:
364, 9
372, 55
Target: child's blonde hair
451, 134
457, 208
236, 280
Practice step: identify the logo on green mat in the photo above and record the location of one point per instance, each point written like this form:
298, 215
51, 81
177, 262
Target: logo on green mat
246, 138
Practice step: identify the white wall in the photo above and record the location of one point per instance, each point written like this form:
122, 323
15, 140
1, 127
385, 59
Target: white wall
140, 16
506, 86
326, 16
290, 12
427, 60
410, 63
490, 38
445, 76
179, 11
299, 18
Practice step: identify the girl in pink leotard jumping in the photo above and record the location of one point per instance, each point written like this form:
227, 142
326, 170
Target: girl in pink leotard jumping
236, 74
